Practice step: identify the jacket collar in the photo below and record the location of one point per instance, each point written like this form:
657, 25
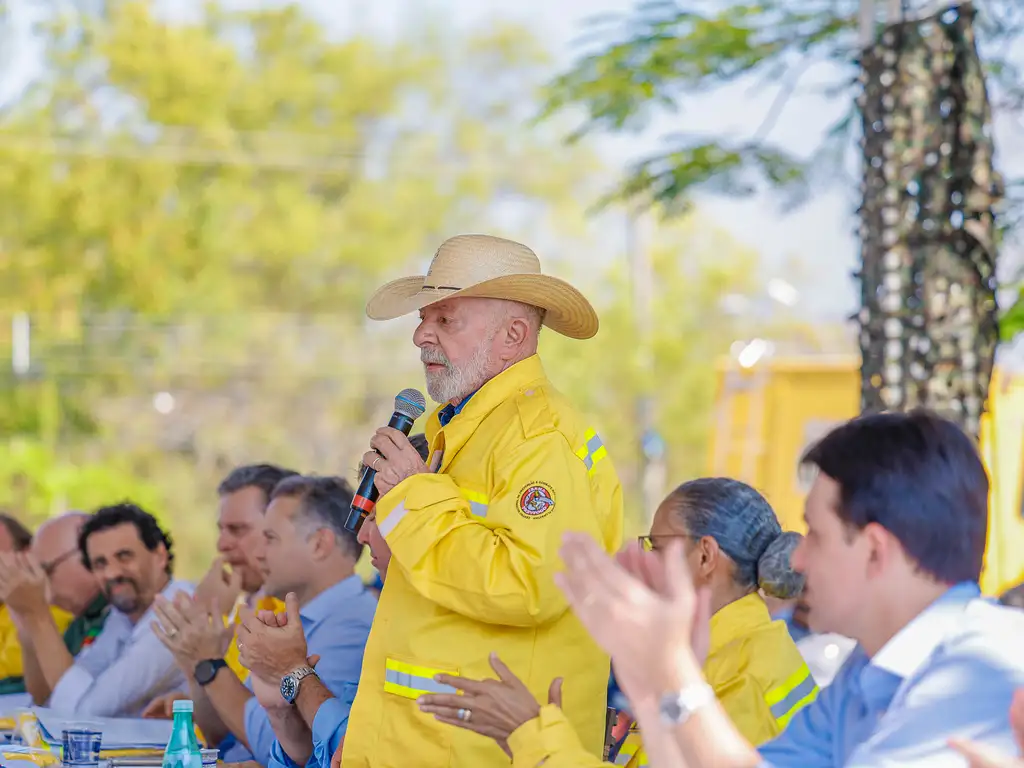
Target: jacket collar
497, 390
736, 619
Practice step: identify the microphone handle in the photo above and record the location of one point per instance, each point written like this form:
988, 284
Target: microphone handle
365, 498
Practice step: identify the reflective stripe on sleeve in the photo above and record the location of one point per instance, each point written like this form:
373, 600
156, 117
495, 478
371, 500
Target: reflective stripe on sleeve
387, 526
797, 692
632, 751
478, 502
592, 450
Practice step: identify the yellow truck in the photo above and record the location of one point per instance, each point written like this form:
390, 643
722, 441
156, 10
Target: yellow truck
769, 412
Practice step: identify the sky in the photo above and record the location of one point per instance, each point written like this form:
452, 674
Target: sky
818, 235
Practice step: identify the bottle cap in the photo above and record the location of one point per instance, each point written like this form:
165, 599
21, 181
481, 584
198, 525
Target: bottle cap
183, 705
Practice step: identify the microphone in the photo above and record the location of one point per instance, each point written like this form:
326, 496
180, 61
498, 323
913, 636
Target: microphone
409, 406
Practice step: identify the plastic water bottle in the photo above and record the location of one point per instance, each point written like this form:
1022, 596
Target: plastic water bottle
183, 749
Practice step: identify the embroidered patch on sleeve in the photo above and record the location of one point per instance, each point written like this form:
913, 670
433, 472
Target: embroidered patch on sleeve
536, 500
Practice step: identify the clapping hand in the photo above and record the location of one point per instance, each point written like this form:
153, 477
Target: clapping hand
221, 586
193, 633
641, 607
22, 584
272, 645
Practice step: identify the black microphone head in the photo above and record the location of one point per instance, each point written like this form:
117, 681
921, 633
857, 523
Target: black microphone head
410, 402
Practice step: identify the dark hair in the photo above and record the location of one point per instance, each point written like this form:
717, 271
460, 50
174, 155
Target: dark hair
743, 523
325, 504
150, 532
21, 537
262, 476
419, 442
918, 476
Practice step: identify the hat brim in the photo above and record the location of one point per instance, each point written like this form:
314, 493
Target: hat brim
566, 310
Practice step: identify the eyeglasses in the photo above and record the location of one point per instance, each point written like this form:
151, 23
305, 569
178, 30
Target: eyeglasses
648, 544
50, 567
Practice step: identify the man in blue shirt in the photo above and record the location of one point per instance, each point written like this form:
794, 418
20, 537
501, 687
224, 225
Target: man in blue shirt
308, 558
896, 529
272, 646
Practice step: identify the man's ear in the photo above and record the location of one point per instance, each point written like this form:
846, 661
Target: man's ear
517, 334
323, 543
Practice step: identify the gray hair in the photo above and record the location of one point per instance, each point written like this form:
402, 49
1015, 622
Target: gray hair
325, 502
743, 523
508, 309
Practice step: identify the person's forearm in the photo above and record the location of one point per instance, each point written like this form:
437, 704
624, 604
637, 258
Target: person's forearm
708, 738
205, 714
293, 726
312, 694
49, 651
35, 680
293, 734
229, 696
659, 743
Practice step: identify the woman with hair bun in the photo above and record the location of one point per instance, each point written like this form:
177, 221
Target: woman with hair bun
736, 550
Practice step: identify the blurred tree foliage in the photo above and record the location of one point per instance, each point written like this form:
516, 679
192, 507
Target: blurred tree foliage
194, 213
634, 65
695, 265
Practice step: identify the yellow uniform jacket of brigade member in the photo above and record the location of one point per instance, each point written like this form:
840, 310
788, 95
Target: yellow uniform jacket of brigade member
474, 548
753, 665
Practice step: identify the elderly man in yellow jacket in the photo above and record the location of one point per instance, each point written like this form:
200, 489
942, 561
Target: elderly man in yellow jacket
474, 534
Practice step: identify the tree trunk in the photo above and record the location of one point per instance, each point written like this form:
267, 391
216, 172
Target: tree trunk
928, 312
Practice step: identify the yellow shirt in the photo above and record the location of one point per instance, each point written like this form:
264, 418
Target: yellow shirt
11, 669
474, 548
753, 665
263, 603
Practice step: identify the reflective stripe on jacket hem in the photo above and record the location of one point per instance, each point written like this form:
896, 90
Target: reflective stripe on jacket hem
411, 682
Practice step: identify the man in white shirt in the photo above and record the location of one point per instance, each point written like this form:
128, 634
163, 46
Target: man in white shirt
127, 666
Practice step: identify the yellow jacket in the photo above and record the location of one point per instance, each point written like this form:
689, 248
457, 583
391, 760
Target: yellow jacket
231, 657
474, 546
11, 668
754, 666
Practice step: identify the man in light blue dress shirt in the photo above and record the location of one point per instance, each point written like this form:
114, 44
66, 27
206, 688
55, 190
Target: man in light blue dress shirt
897, 519
306, 552
126, 667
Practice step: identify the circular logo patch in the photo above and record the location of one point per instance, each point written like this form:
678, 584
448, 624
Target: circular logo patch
536, 500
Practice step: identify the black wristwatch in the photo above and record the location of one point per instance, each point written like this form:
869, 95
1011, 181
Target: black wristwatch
207, 670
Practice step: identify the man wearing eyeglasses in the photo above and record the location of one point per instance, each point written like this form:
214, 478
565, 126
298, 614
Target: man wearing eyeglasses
52, 575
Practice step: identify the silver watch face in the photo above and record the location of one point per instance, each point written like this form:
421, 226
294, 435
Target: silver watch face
671, 708
289, 688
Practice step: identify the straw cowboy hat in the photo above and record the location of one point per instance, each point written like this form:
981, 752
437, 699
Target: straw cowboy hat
493, 268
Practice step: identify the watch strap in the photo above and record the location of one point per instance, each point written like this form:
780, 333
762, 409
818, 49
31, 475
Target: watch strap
214, 665
300, 673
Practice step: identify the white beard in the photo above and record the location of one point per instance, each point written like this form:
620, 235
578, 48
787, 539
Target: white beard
453, 384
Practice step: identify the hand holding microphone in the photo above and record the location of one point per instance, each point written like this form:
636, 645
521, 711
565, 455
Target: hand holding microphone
392, 459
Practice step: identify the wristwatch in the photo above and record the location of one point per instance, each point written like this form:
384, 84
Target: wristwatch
290, 682
677, 708
207, 670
